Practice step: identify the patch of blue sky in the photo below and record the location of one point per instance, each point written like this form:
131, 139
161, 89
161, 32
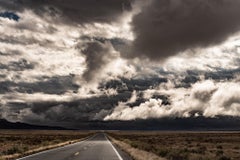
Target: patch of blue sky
10, 15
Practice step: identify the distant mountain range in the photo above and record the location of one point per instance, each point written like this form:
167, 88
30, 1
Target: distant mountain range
167, 124
224, 123
4, 124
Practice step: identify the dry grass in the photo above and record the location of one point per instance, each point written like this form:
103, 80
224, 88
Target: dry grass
185, 145
135, 153
15, 143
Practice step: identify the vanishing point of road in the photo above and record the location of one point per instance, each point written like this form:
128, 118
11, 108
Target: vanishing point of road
98, 147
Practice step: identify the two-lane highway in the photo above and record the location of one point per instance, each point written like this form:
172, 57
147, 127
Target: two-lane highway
97, 147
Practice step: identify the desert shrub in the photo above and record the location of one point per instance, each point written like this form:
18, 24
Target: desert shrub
45, 143
126, 141
177, 155
236, 147
142, 146
219, 152
219, 147
201, 149
147, 147
224, 158
3, 139
209, 140
13, 150
134, 144
190, 146
56, 141
162, 152
25, 148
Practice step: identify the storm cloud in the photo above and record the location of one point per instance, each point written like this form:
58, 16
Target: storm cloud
165, 28
69, 110
73, 11
77, 63
207, 99
20, 65
98, 55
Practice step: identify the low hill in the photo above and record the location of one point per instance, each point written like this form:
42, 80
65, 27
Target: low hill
4, 124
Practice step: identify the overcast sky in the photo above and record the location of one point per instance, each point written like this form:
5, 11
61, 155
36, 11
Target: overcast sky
66, 62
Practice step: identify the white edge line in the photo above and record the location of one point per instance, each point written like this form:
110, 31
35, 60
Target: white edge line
50, 150
120, 158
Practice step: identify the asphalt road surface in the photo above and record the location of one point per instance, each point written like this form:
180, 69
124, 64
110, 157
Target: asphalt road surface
97, 147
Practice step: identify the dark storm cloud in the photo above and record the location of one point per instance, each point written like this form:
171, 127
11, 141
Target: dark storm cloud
10, 5
131, 85
53, 85
5, 86
77, 110
91, 10
183, 80
79, 11
19, 65
124, 84
70, 111
97, 56
190, 77
48, 85
222, 74
166, 27
118, 44
10, 52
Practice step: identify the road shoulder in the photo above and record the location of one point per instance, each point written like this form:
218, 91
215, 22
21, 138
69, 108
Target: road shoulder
134, 152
